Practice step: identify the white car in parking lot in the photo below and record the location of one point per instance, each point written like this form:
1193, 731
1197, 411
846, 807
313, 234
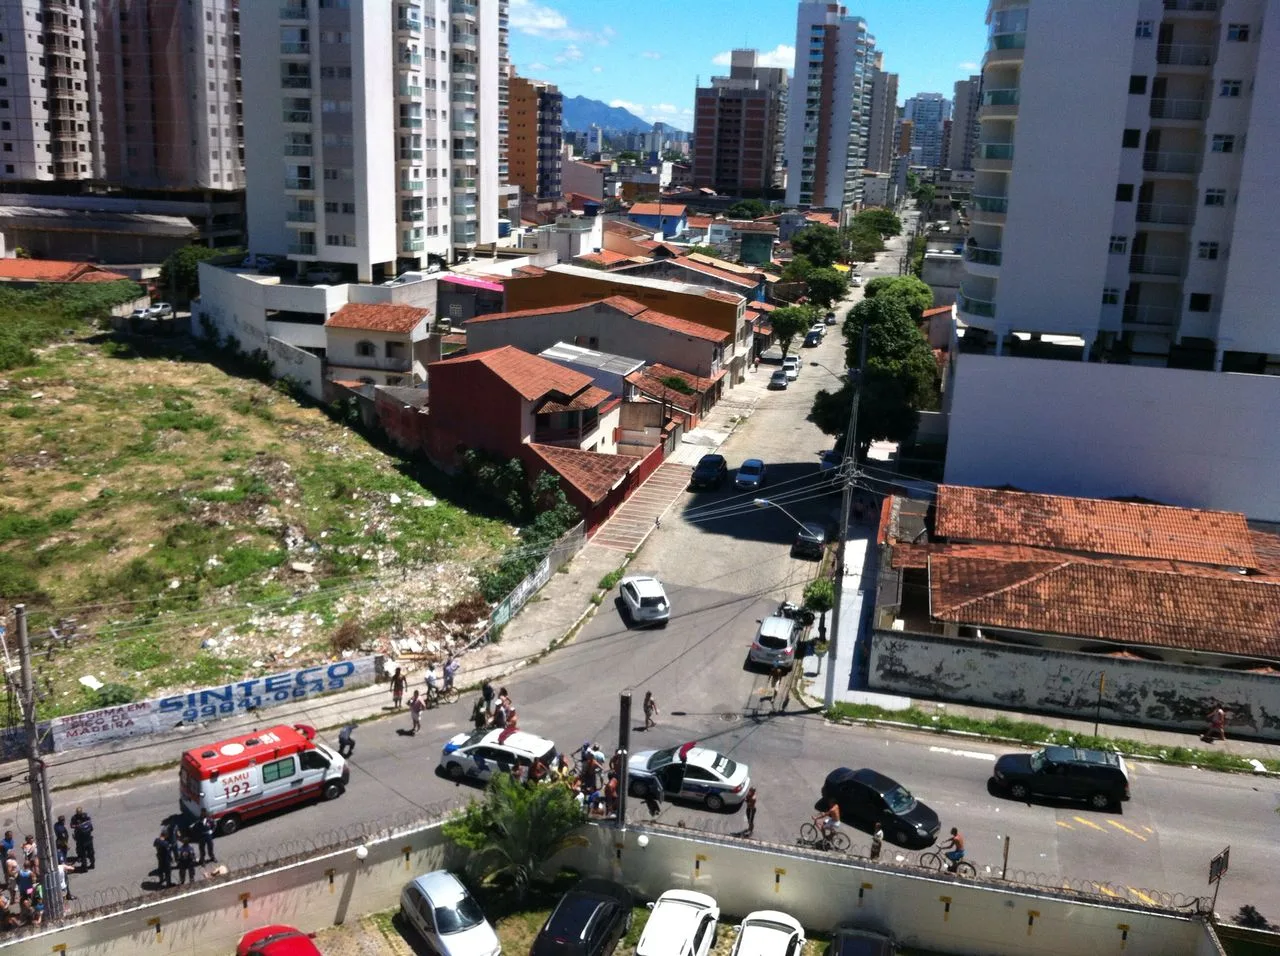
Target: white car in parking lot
682, 923
769, 933
645, 600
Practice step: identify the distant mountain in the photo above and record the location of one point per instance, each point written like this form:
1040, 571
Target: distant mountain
581, 114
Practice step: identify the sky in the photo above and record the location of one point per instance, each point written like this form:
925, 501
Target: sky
648, 56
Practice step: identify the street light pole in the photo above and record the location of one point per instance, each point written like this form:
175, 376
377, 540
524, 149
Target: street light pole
846, 505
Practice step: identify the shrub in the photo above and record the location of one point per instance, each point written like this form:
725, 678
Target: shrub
347, 636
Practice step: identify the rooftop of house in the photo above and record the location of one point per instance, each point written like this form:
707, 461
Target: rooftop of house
940, 310
590, 358
531, 377
592, 397
644, 282
699, 222
654, 380
751, 225
737, 279
621, 304
675, 210
377, 317
592, 473
54, 270
725, 265
605, 257
630, 230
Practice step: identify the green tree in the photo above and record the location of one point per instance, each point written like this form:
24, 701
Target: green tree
790, 321
924, 194
704, 250
862, 242
881, 220
747, 209
628, 156
797, 269
827, 286
819, 244
820, 597
913, 293
516, 831
673, 156
180, 273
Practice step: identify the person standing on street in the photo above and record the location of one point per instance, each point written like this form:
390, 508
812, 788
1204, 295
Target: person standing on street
186, 861
486, 691
164, 859
62, 838
750, 804
416, 706
479, 713
82, 833
398, 684
1217, 724
650, 709
206, 828
877, 840
346, 742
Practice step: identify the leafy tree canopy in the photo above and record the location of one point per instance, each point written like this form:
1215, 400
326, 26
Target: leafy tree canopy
913, 293
790, 321
747, 209
819, 244
827, 286
882, 220
180, 273
797, 269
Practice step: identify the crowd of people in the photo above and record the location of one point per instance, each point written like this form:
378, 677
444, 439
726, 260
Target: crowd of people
22, 899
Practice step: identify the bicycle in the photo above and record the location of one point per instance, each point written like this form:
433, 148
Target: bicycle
938, 862
437, 696
811, 836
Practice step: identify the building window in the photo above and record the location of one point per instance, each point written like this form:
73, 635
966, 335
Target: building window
1124, 192
1132, 139
366, 349
1199, 302
1110, 296
1229, 88
1143, 30
1238, 32
1137, 85
1215, 197
1119, 245
1207, 250
1224, 143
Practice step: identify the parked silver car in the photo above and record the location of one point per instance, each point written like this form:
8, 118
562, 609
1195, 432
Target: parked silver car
645, 600
449, 919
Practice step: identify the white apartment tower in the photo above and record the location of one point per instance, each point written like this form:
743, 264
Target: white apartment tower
830, 107
1126, 178
928, 112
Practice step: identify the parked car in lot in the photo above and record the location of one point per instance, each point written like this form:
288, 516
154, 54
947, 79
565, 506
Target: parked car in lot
751, 475
1097, 777
712, 778
447, 917
143, 313
775, 642
791, 365
779, 380
865, 797
480, 754
681, 923
589, 920
277, 941
811, 541
709, 472
161, 310
645, 600
849, 940
769, 933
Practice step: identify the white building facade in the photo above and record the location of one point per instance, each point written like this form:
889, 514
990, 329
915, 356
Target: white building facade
928, 112
829, 112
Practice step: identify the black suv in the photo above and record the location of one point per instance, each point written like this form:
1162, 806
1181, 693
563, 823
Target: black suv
710, 472
1096, 776
589, 920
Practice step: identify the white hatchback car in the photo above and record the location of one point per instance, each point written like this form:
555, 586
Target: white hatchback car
682, 923
791, 365
439, 907
645, 600
769, 933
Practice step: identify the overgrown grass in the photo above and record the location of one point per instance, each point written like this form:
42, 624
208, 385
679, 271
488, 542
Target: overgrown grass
610, 580
1030, 733
30, 318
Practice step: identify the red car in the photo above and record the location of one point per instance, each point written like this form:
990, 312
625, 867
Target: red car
277, 941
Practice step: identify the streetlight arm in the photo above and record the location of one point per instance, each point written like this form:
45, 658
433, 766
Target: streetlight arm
766, 503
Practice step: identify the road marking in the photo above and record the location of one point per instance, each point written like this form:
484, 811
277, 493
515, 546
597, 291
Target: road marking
1124, 829
1112, 893
1149, 830
1064, 824
972, 754
1142, 896
1087, 823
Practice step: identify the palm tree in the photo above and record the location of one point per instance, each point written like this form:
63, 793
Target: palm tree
517, 830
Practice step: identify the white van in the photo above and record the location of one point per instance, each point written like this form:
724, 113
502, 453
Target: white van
243, 777
478, 755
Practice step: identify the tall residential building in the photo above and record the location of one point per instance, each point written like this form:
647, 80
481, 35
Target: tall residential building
738, 128
884, 115
830, 106
533, 143
905, 129
927, 112
964, 124
1126, 182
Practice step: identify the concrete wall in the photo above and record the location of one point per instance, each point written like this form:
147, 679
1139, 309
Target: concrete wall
942, 273
1197, 439
303, 367
1064, 682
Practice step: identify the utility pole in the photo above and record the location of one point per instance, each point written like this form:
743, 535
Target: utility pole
40, 809
624, 749
846, 505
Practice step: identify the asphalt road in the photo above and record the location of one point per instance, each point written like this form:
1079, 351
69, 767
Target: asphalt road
726, 564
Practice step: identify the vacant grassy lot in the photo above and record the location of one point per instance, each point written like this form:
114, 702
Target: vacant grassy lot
201, 526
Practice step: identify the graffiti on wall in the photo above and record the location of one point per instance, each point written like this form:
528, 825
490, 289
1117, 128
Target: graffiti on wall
1061, 682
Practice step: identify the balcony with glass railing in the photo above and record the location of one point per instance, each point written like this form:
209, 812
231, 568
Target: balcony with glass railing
974, 307
302, 248
1000, 102
463, 41
1164, 213
995, 151
297, 116
300, 214
295, 48
1191, 6
463, 10
1169, 161
1178, 109
409, 24
1145, 265
1185, 54
412, 245
294, 11
1004, 47
1161, 316
405, 58
410, 122
410, 155
413, 214
298, 149
299, 182
408, 89
983, 255
411, 185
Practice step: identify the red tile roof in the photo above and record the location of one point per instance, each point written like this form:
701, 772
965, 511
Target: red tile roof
529, 271
649, 380
762, 306
621, 303
623, 228
592, 397
721, 296
605, 257
712, 271
683, 326
377, 317
1127, 605
656, 209
938, 311
748, 225
1094, 526
699, 222
593, 474
54, 270
530, 376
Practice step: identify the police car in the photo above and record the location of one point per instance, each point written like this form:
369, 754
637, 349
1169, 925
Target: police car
689, 772
482, 753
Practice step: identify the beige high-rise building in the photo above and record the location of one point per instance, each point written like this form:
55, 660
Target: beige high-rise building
739, 127
964, 123
533, 141
884, 116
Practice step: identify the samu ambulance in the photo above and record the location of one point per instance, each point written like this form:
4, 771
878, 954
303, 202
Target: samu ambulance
243, 777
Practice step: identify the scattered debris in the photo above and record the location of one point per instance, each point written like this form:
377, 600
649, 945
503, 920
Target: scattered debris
91, 682
302, 567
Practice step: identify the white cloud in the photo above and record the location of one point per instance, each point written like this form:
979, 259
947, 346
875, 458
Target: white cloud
969, 67
628, 106
666, 108
597, 69
537, 20
780, 57
570, 54
536, 67
651, 55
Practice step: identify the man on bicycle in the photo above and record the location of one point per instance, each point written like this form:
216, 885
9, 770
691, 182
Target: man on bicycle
828, 822
954, 848
433, 686
451, 668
